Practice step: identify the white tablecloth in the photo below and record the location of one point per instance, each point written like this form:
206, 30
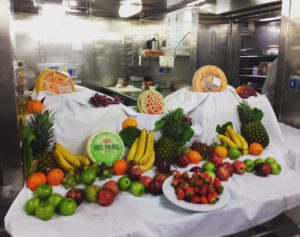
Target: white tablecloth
253, 199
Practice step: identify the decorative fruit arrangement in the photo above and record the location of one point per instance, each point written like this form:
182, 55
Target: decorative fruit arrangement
142, 151
99, 100
197, 188
151, 102
245, 91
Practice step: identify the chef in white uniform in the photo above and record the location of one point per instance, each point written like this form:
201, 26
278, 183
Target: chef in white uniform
269, 85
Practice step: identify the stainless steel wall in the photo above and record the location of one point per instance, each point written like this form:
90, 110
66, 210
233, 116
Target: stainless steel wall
10, 155
97, 43
287, 99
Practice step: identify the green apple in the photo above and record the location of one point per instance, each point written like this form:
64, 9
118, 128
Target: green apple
55, 200
124, 183
88, 177
44, 211
258, 161
43, 191
137, 189
234, 153
275, 168
208, 166
31, 205
249, 165
67, 207
91, 193
210, 173
270, 160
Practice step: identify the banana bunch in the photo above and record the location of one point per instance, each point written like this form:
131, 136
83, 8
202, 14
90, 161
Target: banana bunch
234, 140
142, 151
68, 161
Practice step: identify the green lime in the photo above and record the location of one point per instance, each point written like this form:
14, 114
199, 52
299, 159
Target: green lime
208, 166
88, 177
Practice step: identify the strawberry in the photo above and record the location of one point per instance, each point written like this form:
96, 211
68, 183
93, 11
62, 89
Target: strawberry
199, 183
193, 181
175, 182
180, 193
212, 191
175, 173
185, 176
183, 184
195, 175
204, 190
212, 198
189, 193
219, 190
203, 200
217, 182
196, 190
204, 176
195, 199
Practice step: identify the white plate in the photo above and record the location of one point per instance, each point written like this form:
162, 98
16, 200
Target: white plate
169, 192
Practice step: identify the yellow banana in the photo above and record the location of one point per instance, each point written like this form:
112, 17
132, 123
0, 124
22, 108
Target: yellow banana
149, 149
68, 155
60, 160
141, 145
132, 150
245, 152
149, 163
84, 161
227, 135
226, 140
243, 141
234, 137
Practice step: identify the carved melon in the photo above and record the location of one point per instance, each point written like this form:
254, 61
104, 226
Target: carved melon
55, 82
209, 79
151, 102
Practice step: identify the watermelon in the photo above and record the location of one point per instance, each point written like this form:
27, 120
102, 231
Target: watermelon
151, 102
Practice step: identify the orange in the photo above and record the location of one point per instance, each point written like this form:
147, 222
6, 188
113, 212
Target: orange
35, 180
55, 177
129, 122
221, 151
120, 167
194, 156
34, 106
255, 149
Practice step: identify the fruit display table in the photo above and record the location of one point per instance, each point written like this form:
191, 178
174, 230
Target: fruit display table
253, 199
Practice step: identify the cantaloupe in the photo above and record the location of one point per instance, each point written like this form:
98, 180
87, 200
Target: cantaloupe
209, 78
55, 82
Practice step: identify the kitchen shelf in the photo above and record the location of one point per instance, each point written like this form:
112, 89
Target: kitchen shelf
258, 76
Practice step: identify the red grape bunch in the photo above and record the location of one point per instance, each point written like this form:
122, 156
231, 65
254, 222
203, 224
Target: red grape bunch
99, 100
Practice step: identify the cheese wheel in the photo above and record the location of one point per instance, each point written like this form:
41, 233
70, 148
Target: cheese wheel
55, 82
105, 147
209, 78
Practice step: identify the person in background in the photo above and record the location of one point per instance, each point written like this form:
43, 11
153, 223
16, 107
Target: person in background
269, 85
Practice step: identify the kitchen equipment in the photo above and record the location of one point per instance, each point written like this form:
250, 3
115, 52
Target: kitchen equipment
136, 81
153, 44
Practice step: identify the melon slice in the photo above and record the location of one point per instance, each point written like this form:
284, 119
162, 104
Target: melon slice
55, 82
209, 78
151, 102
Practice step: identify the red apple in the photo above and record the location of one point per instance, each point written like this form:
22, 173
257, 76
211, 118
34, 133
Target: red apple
217, 160
222, 173
239, 167
145, 180
262, 169
228, 166
113, 186
135, 172
105, 197
182, 161
155, 187
163, 166
77, 194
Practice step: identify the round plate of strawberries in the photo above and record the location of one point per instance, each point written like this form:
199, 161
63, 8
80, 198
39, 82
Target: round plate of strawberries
195, 191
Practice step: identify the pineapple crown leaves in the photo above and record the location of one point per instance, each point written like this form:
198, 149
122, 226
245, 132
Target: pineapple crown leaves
248, 115
176, 126
42, 126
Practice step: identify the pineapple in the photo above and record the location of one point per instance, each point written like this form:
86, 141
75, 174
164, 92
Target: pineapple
42, 126
166, 149
251, 127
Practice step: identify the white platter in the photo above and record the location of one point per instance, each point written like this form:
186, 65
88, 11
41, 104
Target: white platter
169, 193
